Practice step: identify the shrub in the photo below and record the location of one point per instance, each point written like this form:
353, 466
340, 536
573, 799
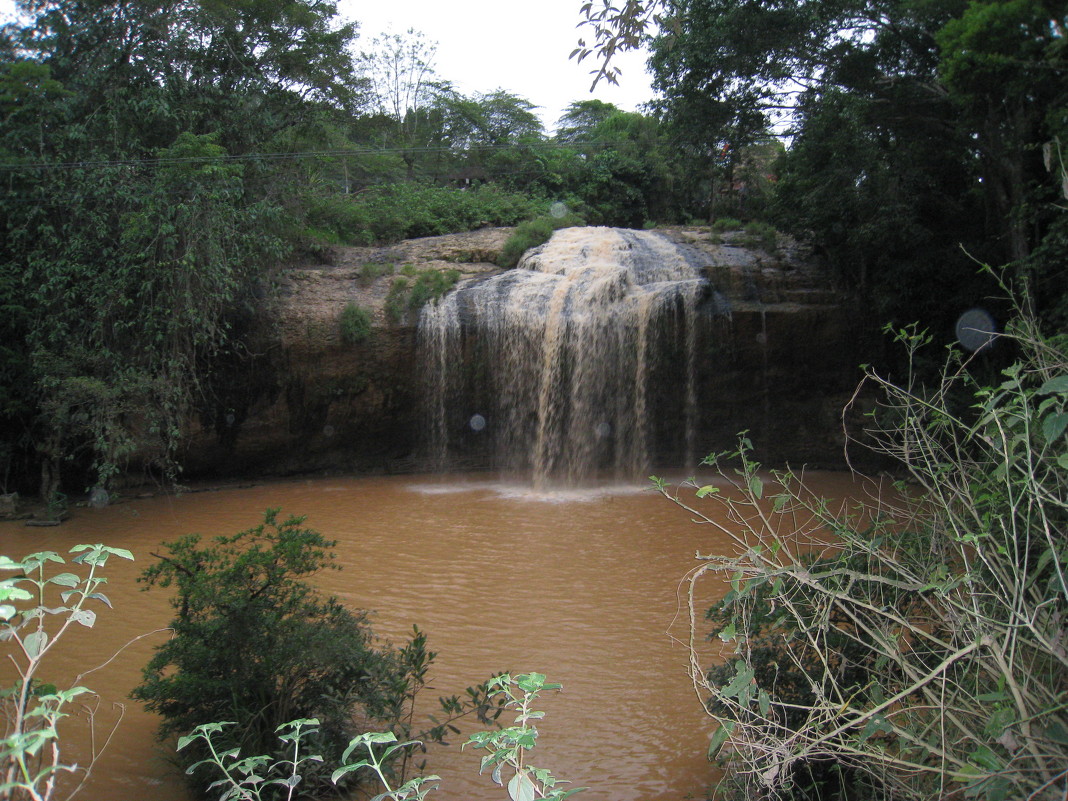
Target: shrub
371, 270
255, 644
355, 324
397, 299
430, 285
761, 234
915, 644
726, 224
532, 233
409, 210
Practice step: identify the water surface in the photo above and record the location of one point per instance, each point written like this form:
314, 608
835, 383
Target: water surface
582, 585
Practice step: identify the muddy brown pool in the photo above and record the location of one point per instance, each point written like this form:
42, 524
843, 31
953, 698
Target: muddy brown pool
582, 585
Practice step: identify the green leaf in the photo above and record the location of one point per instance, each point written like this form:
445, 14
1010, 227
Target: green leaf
35, 642
1000, 719
719, 737
985, 758
743, 679
728, 633
87, 617
1057, 733
521, 788
1053, 426
1058, 384
875, 724
764, 701
65, 580
707, 490
756, 487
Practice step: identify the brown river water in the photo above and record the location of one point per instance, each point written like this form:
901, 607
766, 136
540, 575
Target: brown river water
582, 585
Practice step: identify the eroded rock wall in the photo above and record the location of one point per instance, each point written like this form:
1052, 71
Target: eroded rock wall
779, 359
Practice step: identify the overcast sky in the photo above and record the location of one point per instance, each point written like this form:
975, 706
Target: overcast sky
522, 48
484, 45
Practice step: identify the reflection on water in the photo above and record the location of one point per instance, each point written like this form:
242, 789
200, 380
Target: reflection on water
582, 585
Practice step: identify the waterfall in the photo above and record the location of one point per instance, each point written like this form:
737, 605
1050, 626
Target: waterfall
567, 365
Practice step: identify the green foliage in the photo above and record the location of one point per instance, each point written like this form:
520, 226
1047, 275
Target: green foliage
32, 622
426, 287
133, 227
371, 270
907, 647
355, 324
430, 285
508, 747
408, 210
761, 234
722, 224
397, 299
912, 130
255, 644
251, 778
247, 777
532, 233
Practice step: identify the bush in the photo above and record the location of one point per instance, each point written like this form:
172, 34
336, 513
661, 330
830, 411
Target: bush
255, 644
532, 233
914, 645
371, 270
397, 299
760, 234
355, 324
429, 285
726, 224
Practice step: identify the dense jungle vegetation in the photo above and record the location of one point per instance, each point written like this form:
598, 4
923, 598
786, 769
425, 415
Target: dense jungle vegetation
159, 161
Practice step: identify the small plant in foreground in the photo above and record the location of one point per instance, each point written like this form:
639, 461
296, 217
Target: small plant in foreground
30, 755
412, 790
507, 747
247, 778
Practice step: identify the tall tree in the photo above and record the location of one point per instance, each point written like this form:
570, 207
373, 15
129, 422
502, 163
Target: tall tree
131, 227
949, 101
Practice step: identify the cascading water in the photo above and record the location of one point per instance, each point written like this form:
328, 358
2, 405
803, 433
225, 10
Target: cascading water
563, 365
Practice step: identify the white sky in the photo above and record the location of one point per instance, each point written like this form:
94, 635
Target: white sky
521, 47
484, 45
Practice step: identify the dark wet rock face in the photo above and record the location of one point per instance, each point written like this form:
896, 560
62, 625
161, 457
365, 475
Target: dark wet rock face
605, 350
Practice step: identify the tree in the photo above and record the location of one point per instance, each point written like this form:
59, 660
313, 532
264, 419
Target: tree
970, 91
493, 137
400, 70
133, 229
580, 120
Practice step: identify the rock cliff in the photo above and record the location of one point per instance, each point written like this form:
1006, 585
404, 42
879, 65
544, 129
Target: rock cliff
781, 361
